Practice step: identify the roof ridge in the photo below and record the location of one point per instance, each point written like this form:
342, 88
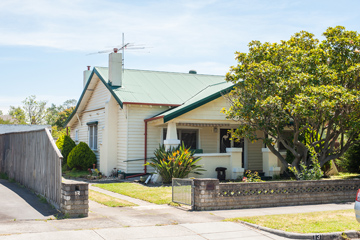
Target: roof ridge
211, 85
165, 71
196, 94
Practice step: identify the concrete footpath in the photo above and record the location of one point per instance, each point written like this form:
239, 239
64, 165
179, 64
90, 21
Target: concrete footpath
150, 221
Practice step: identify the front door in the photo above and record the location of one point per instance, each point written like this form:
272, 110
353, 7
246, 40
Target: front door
225, 142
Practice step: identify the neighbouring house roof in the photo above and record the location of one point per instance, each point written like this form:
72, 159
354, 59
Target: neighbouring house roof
11, 128
8, 118
185, 91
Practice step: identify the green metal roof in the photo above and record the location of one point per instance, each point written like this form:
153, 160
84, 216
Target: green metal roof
168, 88
141, 86
204, 96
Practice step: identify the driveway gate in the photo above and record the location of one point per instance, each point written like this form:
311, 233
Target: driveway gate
183, 191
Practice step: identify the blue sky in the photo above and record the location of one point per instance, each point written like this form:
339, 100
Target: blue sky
44, 45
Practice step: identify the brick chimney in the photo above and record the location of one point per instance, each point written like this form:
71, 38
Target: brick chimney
115, 69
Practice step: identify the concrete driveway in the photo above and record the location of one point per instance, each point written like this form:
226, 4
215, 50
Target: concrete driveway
19, 203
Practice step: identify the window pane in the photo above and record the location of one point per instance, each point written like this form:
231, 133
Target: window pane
95, 137
91, 137
189, 138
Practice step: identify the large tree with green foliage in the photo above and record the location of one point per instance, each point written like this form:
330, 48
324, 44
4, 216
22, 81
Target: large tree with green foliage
32, 112
301, 85
18, 115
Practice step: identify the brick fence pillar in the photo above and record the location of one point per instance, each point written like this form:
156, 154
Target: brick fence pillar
205, 193
74, 198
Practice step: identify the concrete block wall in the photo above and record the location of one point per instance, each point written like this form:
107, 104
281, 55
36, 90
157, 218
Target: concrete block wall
212, 195
74, 198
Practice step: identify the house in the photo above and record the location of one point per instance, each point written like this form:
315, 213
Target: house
125, 114
7, 119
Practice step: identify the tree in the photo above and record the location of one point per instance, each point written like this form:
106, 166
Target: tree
63, 116
302, 86
54, 112
65, 145
1, 113
35, 111
69, 104
81, 157
18, 114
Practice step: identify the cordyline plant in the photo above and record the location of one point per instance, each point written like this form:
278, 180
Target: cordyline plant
301, 86
174, 163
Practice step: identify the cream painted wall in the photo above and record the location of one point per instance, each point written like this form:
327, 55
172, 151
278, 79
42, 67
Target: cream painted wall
108, 157
136, 139
209, 140
93, 111
208, 111
122, 137
254, 155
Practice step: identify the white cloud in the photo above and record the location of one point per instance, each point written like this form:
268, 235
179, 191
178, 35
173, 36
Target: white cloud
171, 27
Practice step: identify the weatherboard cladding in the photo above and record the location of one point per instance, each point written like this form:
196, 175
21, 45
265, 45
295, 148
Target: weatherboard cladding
94, 112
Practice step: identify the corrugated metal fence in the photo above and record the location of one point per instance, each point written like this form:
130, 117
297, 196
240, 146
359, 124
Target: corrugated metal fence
32, 159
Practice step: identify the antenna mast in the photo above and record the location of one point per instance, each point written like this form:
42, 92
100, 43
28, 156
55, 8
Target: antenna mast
123, 52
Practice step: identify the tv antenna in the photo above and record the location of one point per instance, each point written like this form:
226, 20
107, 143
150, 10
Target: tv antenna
124, 46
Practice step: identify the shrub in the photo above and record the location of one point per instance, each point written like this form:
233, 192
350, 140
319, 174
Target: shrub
65, 144
350, 162
250, 177
175, 163
81, 157
313, 172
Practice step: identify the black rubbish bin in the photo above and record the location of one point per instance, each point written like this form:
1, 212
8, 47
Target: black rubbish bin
221, 174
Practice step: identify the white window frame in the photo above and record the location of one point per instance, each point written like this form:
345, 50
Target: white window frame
93, 136
76, 135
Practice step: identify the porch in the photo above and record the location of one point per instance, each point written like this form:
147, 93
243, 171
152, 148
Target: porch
213, 144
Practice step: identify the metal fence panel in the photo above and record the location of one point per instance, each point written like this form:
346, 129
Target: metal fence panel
183, 191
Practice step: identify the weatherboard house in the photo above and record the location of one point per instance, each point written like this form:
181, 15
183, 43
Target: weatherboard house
125, 114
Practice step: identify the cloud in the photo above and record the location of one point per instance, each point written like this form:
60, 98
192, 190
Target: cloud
171, 27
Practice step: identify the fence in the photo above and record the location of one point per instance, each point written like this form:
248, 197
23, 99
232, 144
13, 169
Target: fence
32, 159
211, 195
183, 191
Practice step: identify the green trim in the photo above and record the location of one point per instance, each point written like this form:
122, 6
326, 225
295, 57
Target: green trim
84, 91
197, 104
109, 88
92, 123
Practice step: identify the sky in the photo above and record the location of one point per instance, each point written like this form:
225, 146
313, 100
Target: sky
46, 45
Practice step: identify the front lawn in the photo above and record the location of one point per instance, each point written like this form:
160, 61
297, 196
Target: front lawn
108, 200
158, 195
343, 175
314, 222
75, 174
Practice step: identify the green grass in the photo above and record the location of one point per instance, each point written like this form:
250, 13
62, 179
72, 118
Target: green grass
76, 174
157, 195
314, 222
42, 198
108, 200
343, 175
4, 176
